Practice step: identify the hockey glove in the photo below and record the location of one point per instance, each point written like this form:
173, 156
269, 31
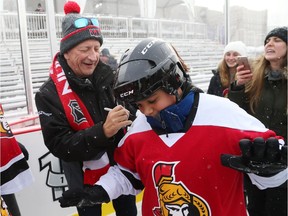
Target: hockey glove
89, 196
258, 157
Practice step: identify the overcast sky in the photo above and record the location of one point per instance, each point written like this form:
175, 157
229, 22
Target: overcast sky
277, 9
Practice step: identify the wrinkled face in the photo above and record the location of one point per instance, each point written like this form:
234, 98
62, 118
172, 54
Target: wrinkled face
158, 101
275, 49
84, 57
231, 58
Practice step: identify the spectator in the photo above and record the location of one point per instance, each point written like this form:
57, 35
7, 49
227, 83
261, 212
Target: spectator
263, 94
168, 150
224, 75
108, 59
39, 8
75, 126
40, 20
15, 171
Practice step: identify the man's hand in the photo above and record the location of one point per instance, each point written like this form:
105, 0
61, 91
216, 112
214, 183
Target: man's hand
259, 157
89, 196
116, 119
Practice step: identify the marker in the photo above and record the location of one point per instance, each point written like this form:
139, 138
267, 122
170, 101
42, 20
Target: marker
107, 109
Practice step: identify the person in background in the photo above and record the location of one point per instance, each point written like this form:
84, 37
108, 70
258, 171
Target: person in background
71, 106
15, 171
182, 144
224, 75
108, 59
262, 92
39, 8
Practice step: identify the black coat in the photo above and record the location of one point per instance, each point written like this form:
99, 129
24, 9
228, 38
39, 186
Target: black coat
272, 107
215, 85
59, 137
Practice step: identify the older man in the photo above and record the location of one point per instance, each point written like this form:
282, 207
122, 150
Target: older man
75, 126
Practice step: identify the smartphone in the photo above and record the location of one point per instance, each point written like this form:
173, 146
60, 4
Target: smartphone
243, 60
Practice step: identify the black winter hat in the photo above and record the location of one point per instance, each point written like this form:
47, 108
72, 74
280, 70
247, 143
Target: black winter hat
105, 52
72, 36
280, 32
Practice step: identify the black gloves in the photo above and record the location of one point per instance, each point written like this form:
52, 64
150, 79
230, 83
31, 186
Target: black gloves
259, 157
89, 196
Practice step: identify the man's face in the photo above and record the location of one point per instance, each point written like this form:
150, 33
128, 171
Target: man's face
84, 57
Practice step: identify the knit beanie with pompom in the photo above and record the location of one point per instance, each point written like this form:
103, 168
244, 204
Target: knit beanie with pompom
72, 36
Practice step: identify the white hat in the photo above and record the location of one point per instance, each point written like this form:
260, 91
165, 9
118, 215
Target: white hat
236, 46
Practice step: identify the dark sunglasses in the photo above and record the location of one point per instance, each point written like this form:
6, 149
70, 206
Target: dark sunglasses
83, 22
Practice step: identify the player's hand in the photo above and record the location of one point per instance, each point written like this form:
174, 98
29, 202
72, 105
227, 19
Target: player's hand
258, 156
89, 196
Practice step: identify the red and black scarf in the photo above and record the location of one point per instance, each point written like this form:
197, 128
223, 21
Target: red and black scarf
76, 112
78, 118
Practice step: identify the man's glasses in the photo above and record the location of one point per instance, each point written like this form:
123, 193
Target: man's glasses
83, 22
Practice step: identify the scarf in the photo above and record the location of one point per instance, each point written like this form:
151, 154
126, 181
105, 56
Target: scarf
172, 118
75, 111
79, 119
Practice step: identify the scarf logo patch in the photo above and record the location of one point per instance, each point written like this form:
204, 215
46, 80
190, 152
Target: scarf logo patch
76, 112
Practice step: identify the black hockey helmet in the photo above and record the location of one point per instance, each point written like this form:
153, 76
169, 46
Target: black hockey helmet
151, 65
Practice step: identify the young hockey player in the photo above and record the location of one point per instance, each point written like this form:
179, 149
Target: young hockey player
182, 144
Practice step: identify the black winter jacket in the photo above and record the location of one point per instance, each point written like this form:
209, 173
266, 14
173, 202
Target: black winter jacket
96, 93
272, 107
215, 85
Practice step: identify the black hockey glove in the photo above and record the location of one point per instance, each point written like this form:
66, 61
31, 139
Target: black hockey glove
258, 157
89, 196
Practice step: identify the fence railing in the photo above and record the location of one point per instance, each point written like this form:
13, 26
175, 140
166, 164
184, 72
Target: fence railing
112, 27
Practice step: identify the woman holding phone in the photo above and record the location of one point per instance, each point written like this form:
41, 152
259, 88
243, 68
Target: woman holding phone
224, 75
263, 94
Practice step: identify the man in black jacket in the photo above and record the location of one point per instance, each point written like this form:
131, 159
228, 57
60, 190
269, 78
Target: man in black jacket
108, 59
71, 103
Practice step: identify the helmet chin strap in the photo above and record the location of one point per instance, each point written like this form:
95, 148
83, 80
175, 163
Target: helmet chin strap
177, 95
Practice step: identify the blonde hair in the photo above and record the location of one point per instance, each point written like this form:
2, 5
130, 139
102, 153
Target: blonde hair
224, 73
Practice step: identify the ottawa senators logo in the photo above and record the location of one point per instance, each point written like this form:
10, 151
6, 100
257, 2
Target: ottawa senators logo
4, 126
174, 198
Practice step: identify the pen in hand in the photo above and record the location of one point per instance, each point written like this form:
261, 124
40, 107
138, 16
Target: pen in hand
109, 109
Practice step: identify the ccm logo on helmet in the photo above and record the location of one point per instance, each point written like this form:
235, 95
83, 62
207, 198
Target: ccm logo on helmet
125, 94
147, 47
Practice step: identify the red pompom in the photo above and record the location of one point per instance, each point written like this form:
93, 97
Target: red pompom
71, 7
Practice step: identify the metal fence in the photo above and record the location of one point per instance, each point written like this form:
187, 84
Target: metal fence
112, 27
13, 73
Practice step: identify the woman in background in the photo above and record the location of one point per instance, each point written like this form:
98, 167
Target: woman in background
224, 75
263, 94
